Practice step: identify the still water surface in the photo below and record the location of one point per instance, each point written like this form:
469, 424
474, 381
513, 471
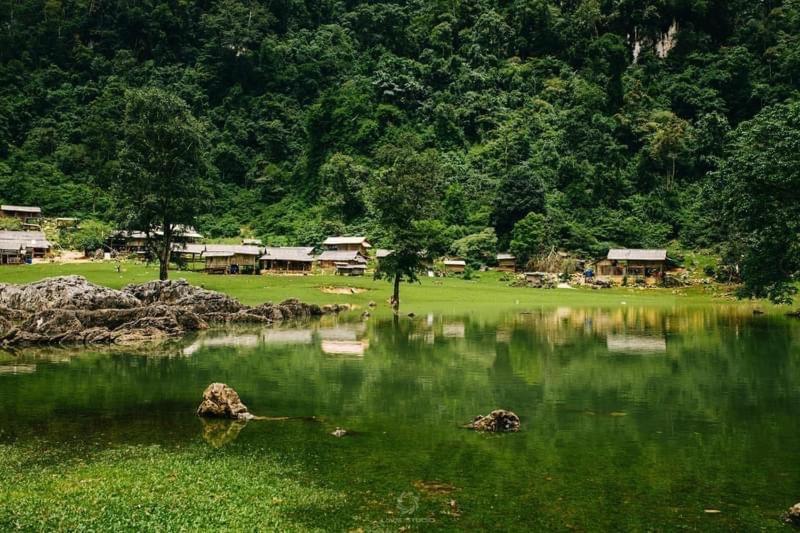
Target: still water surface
633, 418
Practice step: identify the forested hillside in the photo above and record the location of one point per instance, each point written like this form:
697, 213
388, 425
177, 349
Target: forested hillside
575, 123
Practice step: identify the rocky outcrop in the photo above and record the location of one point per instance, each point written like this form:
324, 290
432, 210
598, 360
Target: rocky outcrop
66, 292
221, 401
793, 515
498, 420
72, 310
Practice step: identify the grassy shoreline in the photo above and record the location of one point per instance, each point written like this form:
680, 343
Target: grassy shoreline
486, 291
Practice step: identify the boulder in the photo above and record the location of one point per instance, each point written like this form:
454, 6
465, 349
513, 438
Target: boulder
66, 292
793, 515
221, 401
181, 293
498, 420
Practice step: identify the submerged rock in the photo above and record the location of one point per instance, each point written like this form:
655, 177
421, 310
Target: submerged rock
793, 515
339, 432
498, 420
221, 401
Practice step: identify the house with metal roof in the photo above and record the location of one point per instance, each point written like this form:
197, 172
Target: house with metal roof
22, 212
341, 244
331, 259
636, 265
506, 262
34, 242
287, 259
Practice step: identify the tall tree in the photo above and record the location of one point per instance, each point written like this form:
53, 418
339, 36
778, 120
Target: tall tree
161, 181
759, 184
402, 197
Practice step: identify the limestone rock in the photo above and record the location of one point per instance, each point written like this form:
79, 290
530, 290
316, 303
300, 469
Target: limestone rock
181, 293
66, 292
498, 420
221, 401
793, 515
339, 432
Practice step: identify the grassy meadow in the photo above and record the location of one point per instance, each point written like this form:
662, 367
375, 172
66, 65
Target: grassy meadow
486, 291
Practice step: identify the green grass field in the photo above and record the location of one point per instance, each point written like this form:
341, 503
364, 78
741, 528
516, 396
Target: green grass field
486, 291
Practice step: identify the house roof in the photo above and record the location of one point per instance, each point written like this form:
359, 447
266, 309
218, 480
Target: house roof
341, 255
254, 242
288, 253
31, 239
347, 240
11, 245
500, 257
205, 249
179, 231
380, 253
21, 208
455, 262
637, 254
218, 253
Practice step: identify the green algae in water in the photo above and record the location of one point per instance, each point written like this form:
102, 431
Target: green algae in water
633, 418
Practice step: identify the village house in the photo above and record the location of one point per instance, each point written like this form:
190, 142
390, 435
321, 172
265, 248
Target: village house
252, 242
341, 244
347, 269
230, 258
35, 243
332, 259
22, 212
136, 241
633, 264
287, 259
506, 263
12, 252
454, 266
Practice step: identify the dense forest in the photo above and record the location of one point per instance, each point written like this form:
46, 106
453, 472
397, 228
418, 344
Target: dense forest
577, 124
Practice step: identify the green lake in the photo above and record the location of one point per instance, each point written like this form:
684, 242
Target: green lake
632, 418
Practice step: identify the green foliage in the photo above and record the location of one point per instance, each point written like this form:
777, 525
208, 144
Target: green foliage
528, 107
478, 248
161, 182
10, 223
90, 235
531, 236
759, 183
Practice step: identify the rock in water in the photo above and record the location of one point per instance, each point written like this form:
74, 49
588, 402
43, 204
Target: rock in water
339, 432
793, 516
221, 401
498, 420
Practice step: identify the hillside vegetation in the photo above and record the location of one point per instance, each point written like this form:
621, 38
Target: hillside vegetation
576, 124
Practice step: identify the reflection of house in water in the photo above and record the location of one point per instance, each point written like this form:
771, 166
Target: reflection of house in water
453, 330
631, 343
334, 347
17, 369
288, 336
343, 340
237, 341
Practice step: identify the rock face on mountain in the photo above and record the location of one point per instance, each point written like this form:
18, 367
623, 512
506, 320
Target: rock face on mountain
70, 309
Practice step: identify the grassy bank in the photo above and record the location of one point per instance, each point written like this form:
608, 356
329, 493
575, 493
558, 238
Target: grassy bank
486, 291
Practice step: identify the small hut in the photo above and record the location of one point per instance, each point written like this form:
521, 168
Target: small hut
22, 212
347, 269
506, 263
252, 242
34, 242
647, 265
341, 244
329, 259
12, 252
287, 259
231, 258
454, 266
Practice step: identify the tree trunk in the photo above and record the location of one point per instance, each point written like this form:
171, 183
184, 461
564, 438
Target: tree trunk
396, 293
166, 248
